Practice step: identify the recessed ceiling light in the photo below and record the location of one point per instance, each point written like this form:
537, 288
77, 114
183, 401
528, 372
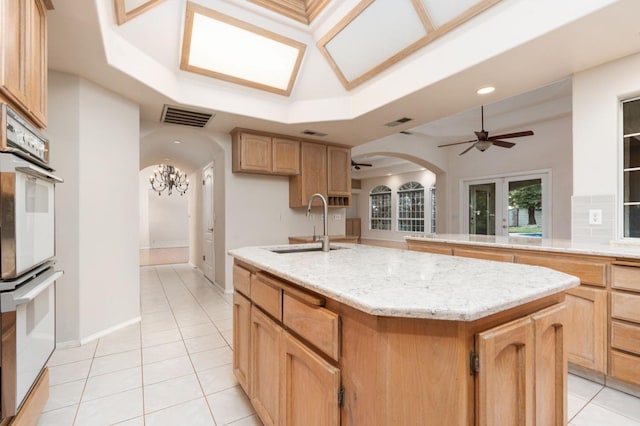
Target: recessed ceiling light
177, 141
485, 90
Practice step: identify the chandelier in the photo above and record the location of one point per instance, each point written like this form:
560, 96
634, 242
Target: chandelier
169, 177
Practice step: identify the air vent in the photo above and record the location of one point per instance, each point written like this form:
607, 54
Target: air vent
184, 117
398, 122
313, 133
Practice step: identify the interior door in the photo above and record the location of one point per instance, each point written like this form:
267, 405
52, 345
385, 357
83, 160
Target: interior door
208, 221
482, 209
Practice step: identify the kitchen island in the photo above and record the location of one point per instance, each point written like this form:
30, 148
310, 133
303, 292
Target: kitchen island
378, 336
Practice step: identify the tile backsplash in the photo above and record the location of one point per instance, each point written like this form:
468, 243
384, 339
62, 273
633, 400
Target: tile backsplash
581, 230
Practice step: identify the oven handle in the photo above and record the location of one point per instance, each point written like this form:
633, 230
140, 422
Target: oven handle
30, 170
25, 294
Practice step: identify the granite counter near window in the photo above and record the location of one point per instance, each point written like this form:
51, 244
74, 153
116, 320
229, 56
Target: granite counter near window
622, 248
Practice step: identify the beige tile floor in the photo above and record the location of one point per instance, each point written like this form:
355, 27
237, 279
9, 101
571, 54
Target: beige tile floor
175, 367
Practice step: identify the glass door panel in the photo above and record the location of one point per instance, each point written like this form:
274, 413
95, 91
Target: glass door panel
482, 209
524, 203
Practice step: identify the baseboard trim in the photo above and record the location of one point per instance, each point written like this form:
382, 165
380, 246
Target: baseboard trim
75, 343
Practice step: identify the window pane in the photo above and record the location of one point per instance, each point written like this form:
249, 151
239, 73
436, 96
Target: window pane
632, 221
631, 114
631, 152
380, 202
411, 207
632, 187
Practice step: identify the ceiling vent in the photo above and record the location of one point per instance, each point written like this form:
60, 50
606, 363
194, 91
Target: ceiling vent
184, 117
313, 133
398, 122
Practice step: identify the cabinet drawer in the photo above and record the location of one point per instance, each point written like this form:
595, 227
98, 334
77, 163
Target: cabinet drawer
625, 306
487, 255
625, 337
593, 273
317, 325
625, 277
267, 294
242, 280
440, 249
625, 367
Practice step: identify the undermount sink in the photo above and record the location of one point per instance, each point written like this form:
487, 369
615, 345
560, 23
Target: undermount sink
301, 249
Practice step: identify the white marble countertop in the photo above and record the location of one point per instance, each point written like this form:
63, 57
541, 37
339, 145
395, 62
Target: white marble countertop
401, 283
623, 249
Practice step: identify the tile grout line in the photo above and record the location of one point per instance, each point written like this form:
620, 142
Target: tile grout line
189, 354
86, 380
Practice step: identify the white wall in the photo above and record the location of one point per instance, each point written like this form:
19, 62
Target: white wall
164, 219
597, 151
257, 212
426, 178
94, 143
549, 148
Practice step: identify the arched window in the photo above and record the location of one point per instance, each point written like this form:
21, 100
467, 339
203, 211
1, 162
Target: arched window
411, 207
432, 191
380, 203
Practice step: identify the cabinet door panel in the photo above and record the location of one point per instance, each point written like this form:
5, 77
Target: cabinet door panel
37, 62
310, 386
286, 156
313, 171
266, 356
242, 340
586, 327
255, 153
551, 366
13, 49
506, 375
339, 166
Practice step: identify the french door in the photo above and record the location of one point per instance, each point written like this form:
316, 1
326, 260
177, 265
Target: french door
517, 205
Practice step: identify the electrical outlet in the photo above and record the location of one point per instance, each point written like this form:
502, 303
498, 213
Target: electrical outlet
595, 217
337, 217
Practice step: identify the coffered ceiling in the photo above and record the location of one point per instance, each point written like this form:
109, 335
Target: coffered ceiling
515, 45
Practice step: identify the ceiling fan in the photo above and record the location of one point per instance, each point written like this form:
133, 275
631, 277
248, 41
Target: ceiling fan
483, 141
357, 165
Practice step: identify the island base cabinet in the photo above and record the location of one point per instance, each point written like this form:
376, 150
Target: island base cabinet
241, 340
266, 357
311, 386
522, 371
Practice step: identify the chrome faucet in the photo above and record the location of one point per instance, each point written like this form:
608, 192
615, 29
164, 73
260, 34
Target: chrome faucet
325, 235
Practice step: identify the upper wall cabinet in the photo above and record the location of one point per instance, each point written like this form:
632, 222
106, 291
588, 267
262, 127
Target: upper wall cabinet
258, 153
23, 57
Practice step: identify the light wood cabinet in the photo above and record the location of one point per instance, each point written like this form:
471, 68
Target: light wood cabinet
286, 380
242, 340
506, 374
312, 178
587, 327
264, 154
522, 374
591, 272
483, 254
353, 226
266, 366
338, 175
310, 385
338, 365
625, 322
23, 57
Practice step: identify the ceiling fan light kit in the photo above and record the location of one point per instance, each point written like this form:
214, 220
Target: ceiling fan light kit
483, 141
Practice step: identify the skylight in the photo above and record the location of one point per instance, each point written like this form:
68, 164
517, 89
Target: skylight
226, 48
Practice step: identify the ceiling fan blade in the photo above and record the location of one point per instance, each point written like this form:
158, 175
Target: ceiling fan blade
511, 135
503, 144
457, 143
468, 149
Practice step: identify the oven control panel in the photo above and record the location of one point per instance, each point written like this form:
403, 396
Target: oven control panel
22, 136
